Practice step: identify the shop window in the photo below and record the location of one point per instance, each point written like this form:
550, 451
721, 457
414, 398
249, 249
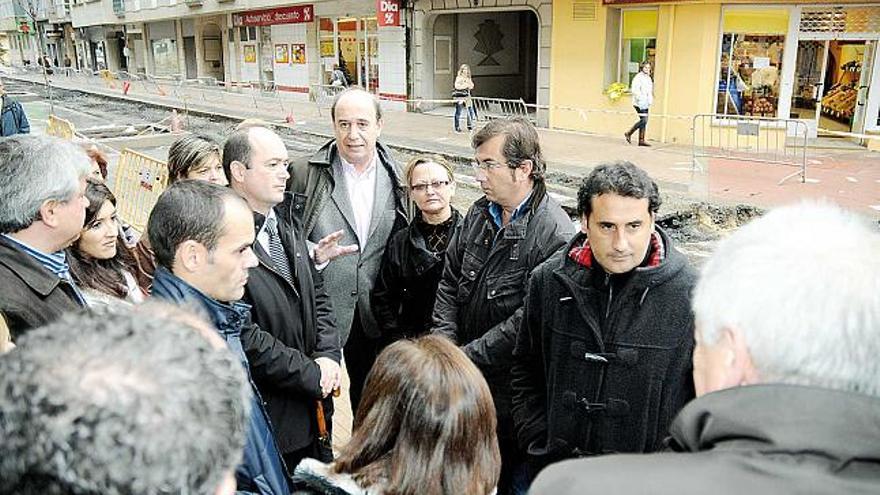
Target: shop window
750, 62
638, 42
247, 33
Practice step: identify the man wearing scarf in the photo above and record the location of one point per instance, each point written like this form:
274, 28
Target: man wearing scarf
603, 356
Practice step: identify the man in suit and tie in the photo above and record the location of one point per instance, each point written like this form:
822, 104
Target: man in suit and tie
293, 348
353, 195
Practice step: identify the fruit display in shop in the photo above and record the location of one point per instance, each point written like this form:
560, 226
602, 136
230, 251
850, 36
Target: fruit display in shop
760, 105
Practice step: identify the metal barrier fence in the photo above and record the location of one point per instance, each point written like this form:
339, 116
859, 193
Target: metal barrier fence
324, 94
497, 108
756, 139
140, 180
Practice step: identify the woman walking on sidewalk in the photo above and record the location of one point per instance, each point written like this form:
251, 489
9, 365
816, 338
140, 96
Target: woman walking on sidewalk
461, 93
642, 89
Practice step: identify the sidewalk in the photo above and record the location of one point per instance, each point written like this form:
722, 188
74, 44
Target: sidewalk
848, 177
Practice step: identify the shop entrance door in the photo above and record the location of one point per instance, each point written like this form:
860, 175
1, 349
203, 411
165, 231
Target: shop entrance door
831, 85
356, 50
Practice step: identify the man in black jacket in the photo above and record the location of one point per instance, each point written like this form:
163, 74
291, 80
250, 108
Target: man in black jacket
504, 235
603, 355
294, 348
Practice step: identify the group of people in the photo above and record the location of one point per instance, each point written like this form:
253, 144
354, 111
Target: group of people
481, 346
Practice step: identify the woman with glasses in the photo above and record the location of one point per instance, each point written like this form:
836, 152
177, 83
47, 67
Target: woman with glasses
403, 298
100, 263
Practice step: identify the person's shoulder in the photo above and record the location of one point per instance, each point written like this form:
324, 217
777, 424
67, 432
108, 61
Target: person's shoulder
635, 474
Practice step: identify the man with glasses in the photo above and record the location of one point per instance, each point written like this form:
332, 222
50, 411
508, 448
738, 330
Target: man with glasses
505, 234
293, 349
353, 194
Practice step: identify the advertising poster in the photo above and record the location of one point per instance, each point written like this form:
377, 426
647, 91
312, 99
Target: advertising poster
250, 54
299, 53
282, 54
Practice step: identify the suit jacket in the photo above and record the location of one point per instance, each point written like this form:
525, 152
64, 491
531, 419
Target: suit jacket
294, 326
350, 279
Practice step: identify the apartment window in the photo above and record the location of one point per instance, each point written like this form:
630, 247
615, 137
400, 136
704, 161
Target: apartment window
750, 62
638, 41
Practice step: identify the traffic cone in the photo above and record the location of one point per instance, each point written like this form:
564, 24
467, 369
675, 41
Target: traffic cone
176, 123
290, 119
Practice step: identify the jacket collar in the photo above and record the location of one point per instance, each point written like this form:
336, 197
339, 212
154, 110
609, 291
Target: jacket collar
227, 318
518, 227
35, 275
645, 276
781, 418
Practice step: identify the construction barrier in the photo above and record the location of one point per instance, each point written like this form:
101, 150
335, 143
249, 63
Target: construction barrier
140, 181
499, 108
59, 127
756, 139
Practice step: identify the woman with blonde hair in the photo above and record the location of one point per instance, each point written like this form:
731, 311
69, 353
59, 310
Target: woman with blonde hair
403, 298
461, 94
426, 425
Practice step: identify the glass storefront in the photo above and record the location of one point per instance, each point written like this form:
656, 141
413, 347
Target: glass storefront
353, 45
750, 62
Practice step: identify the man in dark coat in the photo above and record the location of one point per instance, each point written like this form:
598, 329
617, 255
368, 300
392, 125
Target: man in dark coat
603, 357
353, 195
785, 369
504, 235
13, 120
202, 235
42, 209
294, 349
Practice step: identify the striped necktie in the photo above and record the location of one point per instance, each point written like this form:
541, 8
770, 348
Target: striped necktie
276, 250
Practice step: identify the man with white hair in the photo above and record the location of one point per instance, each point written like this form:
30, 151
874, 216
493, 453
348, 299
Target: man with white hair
42, 209
785, 368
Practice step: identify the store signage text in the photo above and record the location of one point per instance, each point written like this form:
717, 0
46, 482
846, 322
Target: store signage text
388, 12
268, 17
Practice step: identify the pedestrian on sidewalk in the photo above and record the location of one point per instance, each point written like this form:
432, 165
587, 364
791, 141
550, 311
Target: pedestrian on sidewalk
12, 117
461, 94
642, 89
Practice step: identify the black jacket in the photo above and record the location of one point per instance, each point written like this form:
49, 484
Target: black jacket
480, 297
404, 295
602, 365
30, 295
294, 326
759, 439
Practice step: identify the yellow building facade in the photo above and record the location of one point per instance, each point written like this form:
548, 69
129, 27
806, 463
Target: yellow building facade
808, 61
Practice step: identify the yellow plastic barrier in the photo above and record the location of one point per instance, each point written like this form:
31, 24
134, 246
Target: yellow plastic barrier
108, 77
60, 128
140, 181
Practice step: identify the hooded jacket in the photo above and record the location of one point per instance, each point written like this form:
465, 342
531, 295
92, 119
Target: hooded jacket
262, 470
773, 439
602, 362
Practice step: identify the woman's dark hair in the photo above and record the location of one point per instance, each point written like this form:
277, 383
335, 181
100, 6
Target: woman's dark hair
101, 275
426, 424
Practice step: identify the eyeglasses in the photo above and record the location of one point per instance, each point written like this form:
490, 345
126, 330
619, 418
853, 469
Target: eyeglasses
436, 185
486, 165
